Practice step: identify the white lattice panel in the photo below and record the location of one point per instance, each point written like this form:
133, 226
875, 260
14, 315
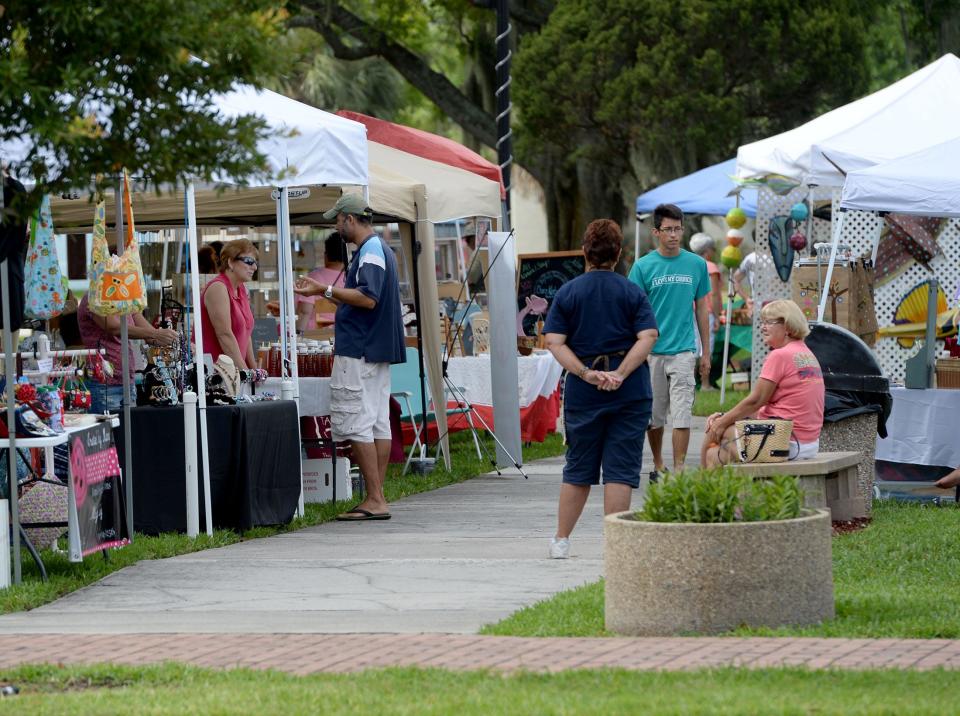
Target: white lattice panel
860, 231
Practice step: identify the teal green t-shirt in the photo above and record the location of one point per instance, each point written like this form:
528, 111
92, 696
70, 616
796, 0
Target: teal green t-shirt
672, 285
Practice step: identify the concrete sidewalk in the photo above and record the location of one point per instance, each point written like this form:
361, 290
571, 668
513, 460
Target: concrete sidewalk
450, 560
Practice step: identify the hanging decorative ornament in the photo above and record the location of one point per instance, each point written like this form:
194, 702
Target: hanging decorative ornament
734, 237
798, 242
799, 211
736, 218
731, 256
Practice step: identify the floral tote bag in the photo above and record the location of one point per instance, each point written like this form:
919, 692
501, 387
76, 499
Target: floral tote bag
116, 282
45, 285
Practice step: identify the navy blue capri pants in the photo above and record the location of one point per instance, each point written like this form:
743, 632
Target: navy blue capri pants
608, 436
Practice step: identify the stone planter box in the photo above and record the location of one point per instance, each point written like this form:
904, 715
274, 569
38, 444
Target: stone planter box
684, 578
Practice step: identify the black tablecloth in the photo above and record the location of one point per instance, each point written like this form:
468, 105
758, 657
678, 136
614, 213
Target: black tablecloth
254, 466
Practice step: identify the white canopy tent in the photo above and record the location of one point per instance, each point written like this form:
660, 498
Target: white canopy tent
302, 145
926, 183
918, 111
907, 117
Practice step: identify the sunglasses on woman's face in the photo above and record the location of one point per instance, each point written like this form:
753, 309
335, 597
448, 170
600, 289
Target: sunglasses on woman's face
248, 260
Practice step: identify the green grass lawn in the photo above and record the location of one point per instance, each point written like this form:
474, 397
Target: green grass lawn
896, 578
174, 689
66, 577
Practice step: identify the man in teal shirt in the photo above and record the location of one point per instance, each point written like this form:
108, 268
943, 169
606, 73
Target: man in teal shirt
675, 281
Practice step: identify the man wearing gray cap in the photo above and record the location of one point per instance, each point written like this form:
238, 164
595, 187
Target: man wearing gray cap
368, 337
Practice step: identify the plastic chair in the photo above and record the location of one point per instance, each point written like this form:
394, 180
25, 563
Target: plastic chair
405, 387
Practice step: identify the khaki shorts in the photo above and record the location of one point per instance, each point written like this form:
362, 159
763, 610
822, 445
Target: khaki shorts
674, 384
359, 400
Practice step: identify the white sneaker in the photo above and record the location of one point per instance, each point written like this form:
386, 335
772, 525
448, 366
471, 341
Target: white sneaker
559, 548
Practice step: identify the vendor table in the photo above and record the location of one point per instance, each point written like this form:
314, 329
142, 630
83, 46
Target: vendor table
922, 443
254, 466
314, 394
923, 428
538, 382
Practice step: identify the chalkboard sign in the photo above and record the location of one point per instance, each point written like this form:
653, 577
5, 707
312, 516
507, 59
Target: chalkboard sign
541, 276
96, 493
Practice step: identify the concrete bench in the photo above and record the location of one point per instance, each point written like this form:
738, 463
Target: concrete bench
827, 480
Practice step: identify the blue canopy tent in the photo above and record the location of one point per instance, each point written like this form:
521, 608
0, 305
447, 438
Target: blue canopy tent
704, 192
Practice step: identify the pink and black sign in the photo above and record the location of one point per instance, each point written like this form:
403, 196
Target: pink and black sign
97, 490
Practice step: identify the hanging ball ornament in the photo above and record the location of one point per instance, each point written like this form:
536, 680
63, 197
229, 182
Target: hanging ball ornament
736, 218
731, 256
799, 211
798, 242
734, 237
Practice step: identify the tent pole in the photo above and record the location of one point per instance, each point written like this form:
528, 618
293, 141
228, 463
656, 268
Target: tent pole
415, 253
636, 240
9, 364
282, 288
726, 337
825, 290
198, 353
125, 370
285, 259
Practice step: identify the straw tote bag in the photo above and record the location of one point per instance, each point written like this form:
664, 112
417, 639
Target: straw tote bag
764, 440
116, 282
45, 285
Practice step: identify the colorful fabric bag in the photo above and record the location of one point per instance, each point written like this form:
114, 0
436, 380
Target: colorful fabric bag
46, 286
116, 282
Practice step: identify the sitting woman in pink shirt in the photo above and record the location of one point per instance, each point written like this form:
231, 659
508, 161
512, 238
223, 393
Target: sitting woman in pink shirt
790, 387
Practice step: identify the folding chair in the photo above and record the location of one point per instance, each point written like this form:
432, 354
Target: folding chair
405, 387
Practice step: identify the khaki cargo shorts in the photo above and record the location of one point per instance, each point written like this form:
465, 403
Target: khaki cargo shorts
674, 384
359, 400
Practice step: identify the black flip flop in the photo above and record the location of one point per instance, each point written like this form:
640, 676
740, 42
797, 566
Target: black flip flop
359, 515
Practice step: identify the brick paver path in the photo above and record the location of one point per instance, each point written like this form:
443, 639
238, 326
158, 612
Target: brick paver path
312, 653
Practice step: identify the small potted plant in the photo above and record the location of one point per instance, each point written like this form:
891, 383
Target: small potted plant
712, 550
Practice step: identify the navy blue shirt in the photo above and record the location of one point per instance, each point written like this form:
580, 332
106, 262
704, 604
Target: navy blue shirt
374, 334
601, 313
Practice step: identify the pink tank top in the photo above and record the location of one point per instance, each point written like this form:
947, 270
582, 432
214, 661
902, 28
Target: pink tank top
94, 336
241, 318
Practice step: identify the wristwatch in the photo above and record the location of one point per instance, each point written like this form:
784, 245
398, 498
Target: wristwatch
329, 292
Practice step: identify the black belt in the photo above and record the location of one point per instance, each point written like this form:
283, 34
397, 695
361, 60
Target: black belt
603, 359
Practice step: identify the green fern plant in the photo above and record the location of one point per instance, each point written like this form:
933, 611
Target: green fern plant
721, 495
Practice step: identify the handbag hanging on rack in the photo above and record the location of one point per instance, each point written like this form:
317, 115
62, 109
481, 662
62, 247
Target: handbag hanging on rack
116, 282
45, 286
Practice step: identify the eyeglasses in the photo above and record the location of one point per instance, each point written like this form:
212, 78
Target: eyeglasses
248, 260
671, 230
771, 321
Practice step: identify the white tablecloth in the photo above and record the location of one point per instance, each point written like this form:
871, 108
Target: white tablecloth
923, 429
538, 376
314, 394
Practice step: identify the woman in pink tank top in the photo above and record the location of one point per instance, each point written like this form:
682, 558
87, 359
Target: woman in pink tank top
225, 306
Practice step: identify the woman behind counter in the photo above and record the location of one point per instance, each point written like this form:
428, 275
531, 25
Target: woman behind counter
225, 307
790, 387
601, 328
104, 332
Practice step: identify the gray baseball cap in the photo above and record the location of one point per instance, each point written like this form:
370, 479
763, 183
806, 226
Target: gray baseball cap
349, 204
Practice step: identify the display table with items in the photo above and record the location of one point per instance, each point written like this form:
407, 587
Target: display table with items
254, 466
538, 384
921, 444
